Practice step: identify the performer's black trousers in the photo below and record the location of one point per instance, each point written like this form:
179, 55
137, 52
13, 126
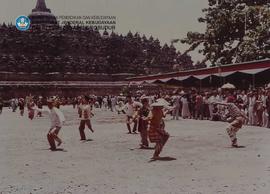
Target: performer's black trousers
82, 127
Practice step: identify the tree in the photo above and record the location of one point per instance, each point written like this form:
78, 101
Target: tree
184, 61
236, 31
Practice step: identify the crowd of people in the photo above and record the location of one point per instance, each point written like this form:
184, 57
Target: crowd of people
145, 113
187, 104
191, 104
199, 105
85, 50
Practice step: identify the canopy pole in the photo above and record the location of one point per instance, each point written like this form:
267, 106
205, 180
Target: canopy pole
220, 80
200, 84
253, 81
223, 80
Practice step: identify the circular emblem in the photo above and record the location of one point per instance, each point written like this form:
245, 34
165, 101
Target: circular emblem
22, 23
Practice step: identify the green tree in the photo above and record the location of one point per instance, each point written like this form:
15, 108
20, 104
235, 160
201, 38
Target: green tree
236, 31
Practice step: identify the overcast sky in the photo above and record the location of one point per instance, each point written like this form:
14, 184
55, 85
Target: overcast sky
164, 19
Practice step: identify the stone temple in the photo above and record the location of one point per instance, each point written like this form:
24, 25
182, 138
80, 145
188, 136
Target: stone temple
42, 15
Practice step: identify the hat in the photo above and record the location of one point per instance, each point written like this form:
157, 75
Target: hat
143, 96
160, 103
162, 100
145, 99
157, 104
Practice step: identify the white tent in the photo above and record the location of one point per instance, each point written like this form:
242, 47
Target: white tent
201, 76
253, 71
183, 78
165, 79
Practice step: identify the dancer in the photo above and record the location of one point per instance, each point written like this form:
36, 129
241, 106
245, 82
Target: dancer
119, 107
30, 107
39, 105
237, 119
57, 102
57, 119
129, 108
85, 107
13, 104
156, 131
143, 123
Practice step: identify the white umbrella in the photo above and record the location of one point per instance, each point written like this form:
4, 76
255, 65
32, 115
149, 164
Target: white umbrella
228, 86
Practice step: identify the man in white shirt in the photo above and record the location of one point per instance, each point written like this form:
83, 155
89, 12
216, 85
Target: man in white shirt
129, 108
57, 118
86, 115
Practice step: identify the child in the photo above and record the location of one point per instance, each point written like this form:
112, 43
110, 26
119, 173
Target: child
119, 107
156, 130
57, 119
85, 117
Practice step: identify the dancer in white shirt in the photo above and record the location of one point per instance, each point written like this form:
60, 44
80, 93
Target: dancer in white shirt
57, 118
237, 119
86, 115
129, 108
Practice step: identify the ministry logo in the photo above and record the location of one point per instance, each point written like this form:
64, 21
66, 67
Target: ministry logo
22, 23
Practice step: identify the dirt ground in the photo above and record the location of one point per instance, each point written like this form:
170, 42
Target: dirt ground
199, 158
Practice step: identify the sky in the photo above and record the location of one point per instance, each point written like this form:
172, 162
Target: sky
163, 19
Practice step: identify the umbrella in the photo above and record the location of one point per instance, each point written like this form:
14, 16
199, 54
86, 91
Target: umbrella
228, 86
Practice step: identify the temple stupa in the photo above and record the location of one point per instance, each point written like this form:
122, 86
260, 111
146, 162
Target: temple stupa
42, 15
